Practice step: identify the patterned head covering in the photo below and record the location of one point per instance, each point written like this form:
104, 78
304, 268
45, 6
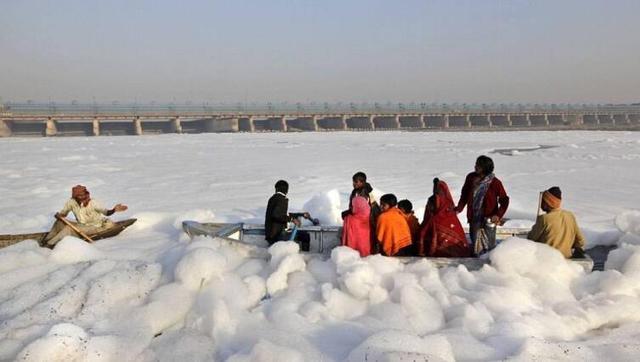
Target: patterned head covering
79, 192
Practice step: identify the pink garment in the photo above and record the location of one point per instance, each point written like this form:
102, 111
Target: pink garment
356, 228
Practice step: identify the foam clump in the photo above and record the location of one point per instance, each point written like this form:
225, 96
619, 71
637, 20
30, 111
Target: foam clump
72, 250
396, 346
198, 267
628, 223
325, 207
266, 351
285, 259
63, 342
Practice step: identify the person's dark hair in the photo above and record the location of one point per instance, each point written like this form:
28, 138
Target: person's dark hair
405, 205
389, 199
368, 188
555, 191
486, 164
436, 181
282, 186
360, 176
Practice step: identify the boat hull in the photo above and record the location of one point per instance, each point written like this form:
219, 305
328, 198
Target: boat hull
325, 238
10, 239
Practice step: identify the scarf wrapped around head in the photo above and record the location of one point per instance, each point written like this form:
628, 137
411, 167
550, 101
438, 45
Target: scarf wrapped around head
79, 192
551, 200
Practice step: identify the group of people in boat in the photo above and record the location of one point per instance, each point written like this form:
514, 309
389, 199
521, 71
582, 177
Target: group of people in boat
390, 227
387, 226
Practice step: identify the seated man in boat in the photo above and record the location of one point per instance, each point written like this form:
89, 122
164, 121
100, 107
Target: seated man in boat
277, 217
442, 234
557, 227
414, 225
91, 217
392, 229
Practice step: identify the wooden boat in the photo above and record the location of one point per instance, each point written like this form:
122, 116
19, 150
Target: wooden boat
6, 240
325, 238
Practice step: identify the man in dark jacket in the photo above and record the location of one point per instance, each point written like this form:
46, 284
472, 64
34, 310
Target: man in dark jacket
277, 217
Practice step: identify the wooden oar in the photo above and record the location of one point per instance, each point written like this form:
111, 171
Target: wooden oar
74, 228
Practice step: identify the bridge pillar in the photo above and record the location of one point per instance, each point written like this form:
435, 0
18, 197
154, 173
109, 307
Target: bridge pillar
509, 120
528, 120
176, 125
489, 121
5, 128
372, 125
546, 119
423, 124
445, 121
468, 120
283, 123
344, 122
314, 121
95, 127
137, 126
627, 118
50, 129
397, 121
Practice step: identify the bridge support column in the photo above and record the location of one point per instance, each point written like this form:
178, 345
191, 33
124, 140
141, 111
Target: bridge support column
445, 121
314, 121
423, 124
283, 122
50, 129
627, 119
137, 126
95, 127
344, 122
528, 117
5, 128
490, 121
176, 125
546, 119
372, 125
397, 121
468, 120
509, 121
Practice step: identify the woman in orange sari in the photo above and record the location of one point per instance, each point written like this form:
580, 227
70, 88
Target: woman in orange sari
441, 233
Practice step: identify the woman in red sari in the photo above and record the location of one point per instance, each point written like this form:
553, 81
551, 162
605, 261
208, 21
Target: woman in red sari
441, 233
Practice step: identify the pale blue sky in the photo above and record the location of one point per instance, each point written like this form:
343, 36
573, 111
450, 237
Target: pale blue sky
551, 51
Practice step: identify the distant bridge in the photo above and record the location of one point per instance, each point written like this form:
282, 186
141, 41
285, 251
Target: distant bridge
91, 121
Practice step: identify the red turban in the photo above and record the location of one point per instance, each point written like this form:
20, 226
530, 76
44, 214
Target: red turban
551, 200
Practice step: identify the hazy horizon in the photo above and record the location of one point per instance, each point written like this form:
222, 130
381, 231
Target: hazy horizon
462, 51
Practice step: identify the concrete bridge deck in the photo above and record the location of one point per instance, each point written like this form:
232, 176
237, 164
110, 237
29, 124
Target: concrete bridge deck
75, 124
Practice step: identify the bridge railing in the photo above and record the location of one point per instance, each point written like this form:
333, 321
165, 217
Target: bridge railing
133, 109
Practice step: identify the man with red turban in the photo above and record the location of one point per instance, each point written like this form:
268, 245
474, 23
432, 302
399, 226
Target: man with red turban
557, 228
89, 214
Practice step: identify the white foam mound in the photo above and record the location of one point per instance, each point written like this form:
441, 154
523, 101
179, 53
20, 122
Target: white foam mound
326, 207
285, 260
198, 267
64, 342
398, 346
629, 223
